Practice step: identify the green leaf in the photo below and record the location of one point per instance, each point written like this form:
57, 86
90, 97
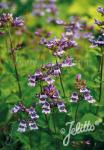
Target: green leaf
92, 118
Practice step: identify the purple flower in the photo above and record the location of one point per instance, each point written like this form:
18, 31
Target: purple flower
74, 97
78, 77
22, 126
88, 97
49, 90
99, 41
59, 53
32, 125
55, 95
67, 62
48, 66
100, 10
32, 113
59, 22
61, 106
32, 80
84, 90
38, 73
42, 98
43, 41
46, 108
18, 22
99, 23
56, 71
16, 108
6, 17
3, 6
42, 7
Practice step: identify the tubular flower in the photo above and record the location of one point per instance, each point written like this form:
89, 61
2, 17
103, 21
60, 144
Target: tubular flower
82, 91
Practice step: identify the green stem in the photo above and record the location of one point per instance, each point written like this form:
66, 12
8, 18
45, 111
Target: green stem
55, 131
14, 63
30, 140
76, 112
61, 82
101, 78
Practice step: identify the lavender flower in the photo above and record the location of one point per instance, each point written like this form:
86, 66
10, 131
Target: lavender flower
55, 95
32, 80
16, 108
74, 97
78, 77
60, 22
99, 42
22, 126
32, 113
49, 90
49, 80
56, 70
3, 6
88, 97
18, 22
100, 10
6, 17
43, 7
99, 23
32, 125
46, 108
61, 106
82, 92
67, 62
42, 98
58, 46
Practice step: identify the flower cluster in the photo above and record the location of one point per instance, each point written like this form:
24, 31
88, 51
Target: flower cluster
82, 91
49, 99
49, 92
101, 10
42, 7
31, 115
99, 41
75, 28
48, 71
59, 46
49, 96
7, 19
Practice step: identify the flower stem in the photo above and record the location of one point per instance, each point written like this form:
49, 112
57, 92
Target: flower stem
14, 63
101, 78
76, 113
30, 139
61, 82
62, 85
55, 131
54, 121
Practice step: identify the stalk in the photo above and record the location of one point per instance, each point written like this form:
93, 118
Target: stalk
55, 131
76, 113
101, 78
61, 82
14, 63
